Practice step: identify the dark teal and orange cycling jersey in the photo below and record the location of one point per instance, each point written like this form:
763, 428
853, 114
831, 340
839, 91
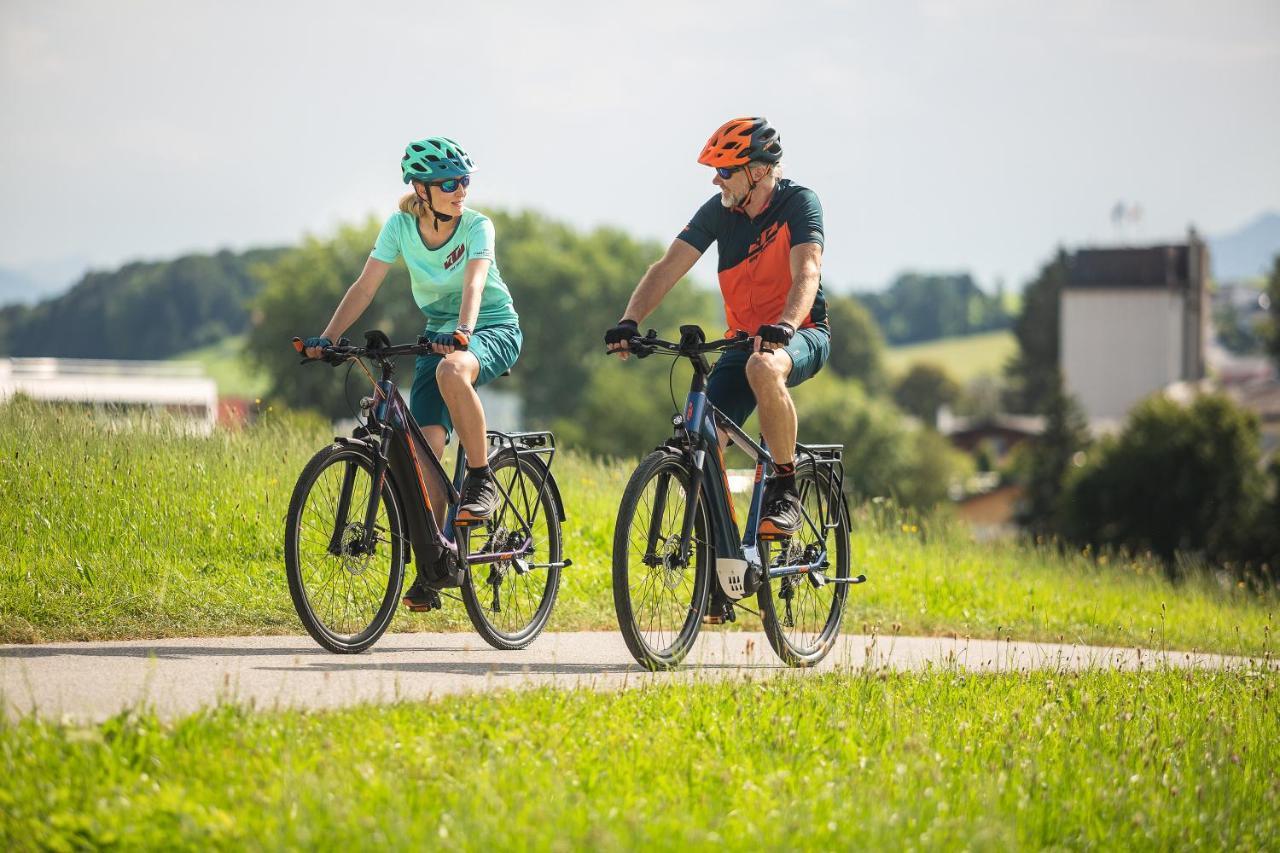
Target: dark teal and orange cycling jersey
755, 254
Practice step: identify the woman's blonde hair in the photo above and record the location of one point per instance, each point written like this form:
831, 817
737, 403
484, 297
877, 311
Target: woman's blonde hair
413, 204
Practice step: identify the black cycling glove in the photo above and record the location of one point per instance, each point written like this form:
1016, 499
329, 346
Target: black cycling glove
622, 333
775, 333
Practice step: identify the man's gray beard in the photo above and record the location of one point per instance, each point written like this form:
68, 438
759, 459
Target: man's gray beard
728, 200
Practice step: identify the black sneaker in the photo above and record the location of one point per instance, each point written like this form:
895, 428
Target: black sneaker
782, 514
479, 499
420, 598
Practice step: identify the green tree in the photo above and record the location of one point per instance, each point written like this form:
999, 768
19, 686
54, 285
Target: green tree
857, 345
1047, 462
922, 307
883, 457
924, 389
568, 288
1033, 372
1176, 480
1272, 331
300, 291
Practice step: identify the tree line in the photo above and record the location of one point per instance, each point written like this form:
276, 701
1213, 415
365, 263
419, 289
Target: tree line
145, 309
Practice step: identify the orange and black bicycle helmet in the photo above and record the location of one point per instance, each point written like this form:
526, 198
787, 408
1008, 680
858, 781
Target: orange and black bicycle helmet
741, 141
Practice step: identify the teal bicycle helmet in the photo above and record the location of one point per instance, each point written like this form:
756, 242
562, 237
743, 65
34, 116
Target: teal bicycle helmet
435, 158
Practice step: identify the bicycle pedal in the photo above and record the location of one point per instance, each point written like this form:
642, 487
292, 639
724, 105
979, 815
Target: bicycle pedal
713, 619
425, 604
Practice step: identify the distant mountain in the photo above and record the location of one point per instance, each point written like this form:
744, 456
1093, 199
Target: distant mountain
28, 285
1247, 251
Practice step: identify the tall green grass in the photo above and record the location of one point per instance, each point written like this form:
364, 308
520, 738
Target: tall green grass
938, 760
135, 528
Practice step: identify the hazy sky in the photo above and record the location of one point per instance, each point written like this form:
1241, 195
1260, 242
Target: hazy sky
939, 135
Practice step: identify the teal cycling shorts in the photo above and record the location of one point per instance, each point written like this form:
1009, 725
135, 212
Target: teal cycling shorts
495, 347
728, 389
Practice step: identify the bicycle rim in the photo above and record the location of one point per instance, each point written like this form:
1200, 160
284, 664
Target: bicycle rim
802, 620
660, 599
510, 600
344, 596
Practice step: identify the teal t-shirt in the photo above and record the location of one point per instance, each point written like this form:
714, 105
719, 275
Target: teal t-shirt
437, 274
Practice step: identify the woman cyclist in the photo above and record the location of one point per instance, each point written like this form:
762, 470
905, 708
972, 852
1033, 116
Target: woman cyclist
471, 323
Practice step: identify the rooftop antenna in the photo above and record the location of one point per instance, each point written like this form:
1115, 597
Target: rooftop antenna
1117, 220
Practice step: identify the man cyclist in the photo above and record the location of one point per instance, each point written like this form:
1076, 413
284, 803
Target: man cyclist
769, 235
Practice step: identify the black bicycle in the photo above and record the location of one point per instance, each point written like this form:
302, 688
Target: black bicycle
677, 556
361, 507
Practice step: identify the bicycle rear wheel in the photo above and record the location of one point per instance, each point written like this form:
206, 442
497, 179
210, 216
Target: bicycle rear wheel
345, 594
660, 598
510, 600
802, 619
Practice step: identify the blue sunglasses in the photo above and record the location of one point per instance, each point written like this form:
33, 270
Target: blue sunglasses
450, 185
726, 173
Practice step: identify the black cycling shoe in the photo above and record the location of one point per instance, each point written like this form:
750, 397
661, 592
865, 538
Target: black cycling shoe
782, 514
420, 598
479, 500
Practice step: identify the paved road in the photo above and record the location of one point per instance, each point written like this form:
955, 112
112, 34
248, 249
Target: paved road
92, 681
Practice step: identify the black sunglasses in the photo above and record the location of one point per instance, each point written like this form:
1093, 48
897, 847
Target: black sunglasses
450, 185
727, 173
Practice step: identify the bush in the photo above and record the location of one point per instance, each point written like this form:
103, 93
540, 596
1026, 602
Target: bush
1177, 480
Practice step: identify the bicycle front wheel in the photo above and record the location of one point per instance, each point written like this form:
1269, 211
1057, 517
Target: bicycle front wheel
659, 594
344, 590
802, 619
509, 599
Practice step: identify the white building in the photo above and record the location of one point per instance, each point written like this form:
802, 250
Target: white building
1134, 321
178, 387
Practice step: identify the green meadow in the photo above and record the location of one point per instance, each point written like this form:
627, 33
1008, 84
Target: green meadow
130, 528
964, 358
862, 760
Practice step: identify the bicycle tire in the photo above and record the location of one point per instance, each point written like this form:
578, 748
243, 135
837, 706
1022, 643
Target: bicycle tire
503, 530
686, 589
309, 558
820, 607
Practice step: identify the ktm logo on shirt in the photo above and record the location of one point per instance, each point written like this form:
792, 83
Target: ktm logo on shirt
766, 237
454, 257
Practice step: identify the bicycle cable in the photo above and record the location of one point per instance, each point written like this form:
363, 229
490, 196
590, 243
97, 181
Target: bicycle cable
671, 386
346, 391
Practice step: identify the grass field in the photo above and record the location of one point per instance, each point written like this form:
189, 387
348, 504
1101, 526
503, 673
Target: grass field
865, 760
225, 363
138, 530
964, 358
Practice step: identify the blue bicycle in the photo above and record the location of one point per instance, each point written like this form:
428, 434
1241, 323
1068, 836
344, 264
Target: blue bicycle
677, 555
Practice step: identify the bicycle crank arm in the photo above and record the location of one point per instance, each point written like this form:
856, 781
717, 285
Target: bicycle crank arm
560, 565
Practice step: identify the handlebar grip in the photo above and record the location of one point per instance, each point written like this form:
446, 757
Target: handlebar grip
297, 345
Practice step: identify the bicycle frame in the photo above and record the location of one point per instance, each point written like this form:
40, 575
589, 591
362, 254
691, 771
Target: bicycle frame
400, 448
698, 430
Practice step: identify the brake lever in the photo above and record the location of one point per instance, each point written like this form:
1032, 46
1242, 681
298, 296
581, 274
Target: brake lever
639, 347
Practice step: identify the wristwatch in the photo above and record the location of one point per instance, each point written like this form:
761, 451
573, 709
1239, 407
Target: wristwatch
465, 329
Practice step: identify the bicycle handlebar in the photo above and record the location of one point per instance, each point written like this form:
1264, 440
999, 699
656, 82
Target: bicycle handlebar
343, 351
642, 347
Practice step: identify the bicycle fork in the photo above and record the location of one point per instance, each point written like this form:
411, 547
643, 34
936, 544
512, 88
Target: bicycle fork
369, 537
